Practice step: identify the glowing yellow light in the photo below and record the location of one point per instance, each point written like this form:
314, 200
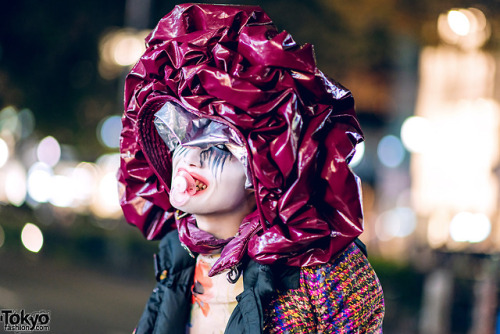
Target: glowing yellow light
438, 229
467, 28
105, 202
4, 152
83, 179
32, 237
119, 48
127, 50
459, 23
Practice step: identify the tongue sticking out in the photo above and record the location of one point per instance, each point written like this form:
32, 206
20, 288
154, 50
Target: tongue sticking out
183, 186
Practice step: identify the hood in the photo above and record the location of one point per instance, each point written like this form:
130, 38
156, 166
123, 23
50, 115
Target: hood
230, 64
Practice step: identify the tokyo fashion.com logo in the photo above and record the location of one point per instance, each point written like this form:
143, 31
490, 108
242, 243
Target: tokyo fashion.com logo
21, 321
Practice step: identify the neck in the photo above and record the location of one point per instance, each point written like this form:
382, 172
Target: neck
220, 225
223, 225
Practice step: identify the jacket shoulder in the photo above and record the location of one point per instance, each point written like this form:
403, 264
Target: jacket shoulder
344, 294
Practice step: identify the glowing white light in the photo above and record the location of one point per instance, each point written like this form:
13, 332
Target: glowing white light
83, 180
15, 184
416, 134
49, 151
399, 222
467, 28
127, 49
459, 22
32, 237
109, 131
470, 227
109, 162
438, 228
358, 156
40, 182
2, 236
106, 201
62, 191
108, 190
390, 151
4, 152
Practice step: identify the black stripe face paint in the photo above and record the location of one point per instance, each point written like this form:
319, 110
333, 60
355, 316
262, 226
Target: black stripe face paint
215, 156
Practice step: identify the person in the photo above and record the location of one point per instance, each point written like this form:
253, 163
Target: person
235, 153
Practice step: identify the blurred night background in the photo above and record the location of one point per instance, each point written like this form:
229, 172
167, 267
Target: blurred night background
425, 79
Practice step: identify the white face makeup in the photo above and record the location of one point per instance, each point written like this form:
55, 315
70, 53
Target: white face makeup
178, 127
209, 182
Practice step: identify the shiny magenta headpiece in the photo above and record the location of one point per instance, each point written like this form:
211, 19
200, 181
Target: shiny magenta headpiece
229, 64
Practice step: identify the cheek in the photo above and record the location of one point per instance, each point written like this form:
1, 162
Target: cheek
175, 162
233, 176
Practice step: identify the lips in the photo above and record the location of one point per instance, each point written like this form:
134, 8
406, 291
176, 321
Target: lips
185, 185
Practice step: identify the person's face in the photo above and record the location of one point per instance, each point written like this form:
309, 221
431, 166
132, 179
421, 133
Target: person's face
208, 181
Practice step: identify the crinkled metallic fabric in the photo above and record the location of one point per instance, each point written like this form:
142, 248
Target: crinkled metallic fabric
230, 64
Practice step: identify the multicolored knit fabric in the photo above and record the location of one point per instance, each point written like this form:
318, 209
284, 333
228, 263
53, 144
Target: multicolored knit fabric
340, 297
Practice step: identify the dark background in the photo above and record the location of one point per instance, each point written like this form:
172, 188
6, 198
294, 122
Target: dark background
95, 274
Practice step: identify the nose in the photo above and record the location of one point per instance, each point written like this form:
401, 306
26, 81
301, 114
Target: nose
192, 156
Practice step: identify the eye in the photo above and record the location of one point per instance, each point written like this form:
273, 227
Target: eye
221, 147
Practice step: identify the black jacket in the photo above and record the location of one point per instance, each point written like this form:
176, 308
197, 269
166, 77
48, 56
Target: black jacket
169, 307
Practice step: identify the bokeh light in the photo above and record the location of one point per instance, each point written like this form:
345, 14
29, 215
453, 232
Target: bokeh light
49, 151
390, 151
127, 50
466, 28
40, 182
4, 152
438, 229
62, 191
15, 183
470, 227
108, 132
105, 203
9, 120
416, 134
27, 120
32, 237
84, 178
120, 48
358, 156
399, 222
458, 22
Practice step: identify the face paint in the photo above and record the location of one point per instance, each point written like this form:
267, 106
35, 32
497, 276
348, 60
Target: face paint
179, 129
215, 156
207, 181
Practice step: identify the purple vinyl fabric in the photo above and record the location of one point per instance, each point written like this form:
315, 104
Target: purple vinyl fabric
230, 64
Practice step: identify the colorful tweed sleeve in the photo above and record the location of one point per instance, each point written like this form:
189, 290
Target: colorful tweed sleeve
340, 297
